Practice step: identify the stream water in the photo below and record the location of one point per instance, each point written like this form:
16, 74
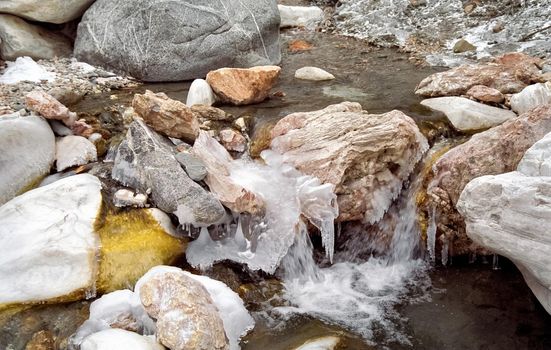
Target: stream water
370, 300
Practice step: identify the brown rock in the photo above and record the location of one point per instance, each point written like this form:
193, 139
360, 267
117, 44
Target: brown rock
240, 86
485, 94
232, 140
509, 73
300, 45
48, 107
42, 340
186, 315
166, 116
492, 152
204, 113
367, 157
463, 45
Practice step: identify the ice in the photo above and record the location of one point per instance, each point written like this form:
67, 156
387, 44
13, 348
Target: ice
431, 235
25, 69
119, 339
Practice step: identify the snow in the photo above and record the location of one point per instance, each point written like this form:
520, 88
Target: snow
119, 339
25, 69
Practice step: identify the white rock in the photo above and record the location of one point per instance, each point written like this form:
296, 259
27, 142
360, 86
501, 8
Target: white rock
510, 215
531, 97
466, 114
20, 38
200, 93
52, 11
300, 16
313, 73
74, 150
127, 198
111, 339
323, 343
47, 242
27, 153
25, 69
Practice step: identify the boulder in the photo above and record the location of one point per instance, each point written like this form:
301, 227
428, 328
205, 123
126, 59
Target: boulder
531, 97
509, 214
145, 161
159, 40
47, 106
313, 73
243, 86
495, 151
119, 339
486, 94
74, 150
186, 316
200, 93
509, 73
166, 116
51, 11
19, 38
300, 16
28, 146
366, 156
465, 114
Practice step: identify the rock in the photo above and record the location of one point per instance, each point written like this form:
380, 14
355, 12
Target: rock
51, 11
48, 107
59, 128
232, 140
466, 114
367, 157
300, 45
463, 45
300, 16
313, 73
25, 69
31, 145
19, 38
193, 166
42, 340
166, 116
206, 113
145, 161
126, 198
53, 255
485, 94
200, 93
74, 150
186, 315
223, 34
119, 339
531, 97
322, 343
509, 214
217, 162
243, 86
495, 151
509, 73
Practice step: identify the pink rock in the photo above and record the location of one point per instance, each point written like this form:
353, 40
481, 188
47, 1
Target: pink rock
486, 94
232, 140
48, 107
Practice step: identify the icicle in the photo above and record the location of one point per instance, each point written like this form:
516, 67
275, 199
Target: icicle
445, 250
431, 234
495, 262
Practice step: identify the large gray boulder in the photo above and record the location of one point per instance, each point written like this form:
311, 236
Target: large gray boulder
145, 161
172, 40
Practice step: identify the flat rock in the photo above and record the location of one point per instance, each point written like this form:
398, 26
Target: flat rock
158, 40
145, 161
509, 73
169, 117
74, 150
465, 114
300, 16
53, 255
313, 73
531, 97
243, 86
486, 94
20, 38
366, 156
200, 93
51, 11
29, 146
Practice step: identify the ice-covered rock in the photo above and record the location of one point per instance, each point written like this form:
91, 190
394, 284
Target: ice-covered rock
465, 114
51, 11
74, 150
127, 198
25, 69
119, 339
510, 214
531, 97
300, 16
54, 254
146, 161
313, 73
200, 93
28, 152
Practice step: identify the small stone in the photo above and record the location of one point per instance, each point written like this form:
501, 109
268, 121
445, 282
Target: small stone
126, 198
313, 73
74, 150
485, 94
200, 93
240, 123
300, 45
463, 45
232, 140
193, 166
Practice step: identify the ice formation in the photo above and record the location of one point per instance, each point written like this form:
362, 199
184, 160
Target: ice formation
25, 69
